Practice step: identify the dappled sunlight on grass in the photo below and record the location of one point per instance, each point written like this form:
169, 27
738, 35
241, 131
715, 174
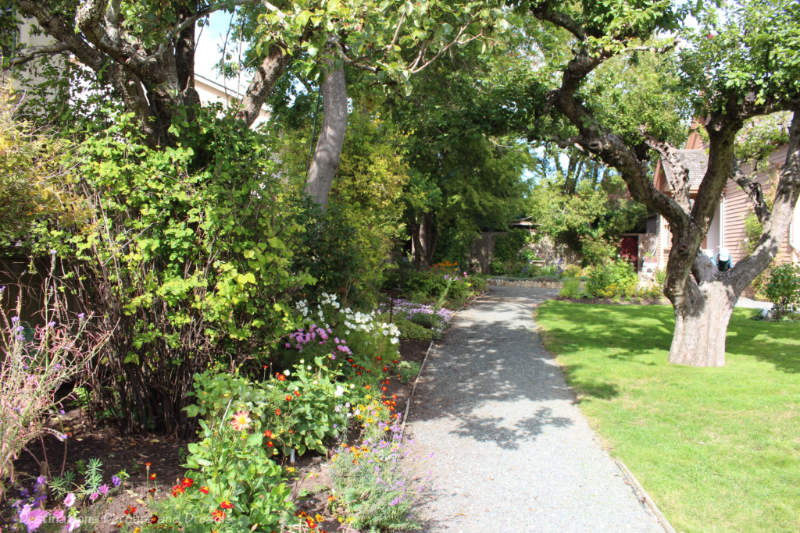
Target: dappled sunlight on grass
718, 448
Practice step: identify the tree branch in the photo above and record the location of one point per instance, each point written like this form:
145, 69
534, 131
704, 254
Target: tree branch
414, 68
679, 179
752, 188
27, 54
544, 12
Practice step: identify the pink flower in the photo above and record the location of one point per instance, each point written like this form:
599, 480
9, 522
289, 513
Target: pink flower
32, 518
73, 524
93, 496
58, 514
103, 489
69, 500
241, 421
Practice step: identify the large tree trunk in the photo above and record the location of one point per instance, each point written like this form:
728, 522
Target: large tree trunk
423, 241
701, 323
325, 161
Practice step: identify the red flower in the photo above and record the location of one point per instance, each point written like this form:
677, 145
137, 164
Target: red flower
267, 433
269, 443
154, 519
187, 482
226, 504
281, 377
130, 510
218, 515
278, 411
178, 490
288, 397
152, 476
204, 489
297, 393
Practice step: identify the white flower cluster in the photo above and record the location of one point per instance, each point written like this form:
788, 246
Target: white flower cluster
353, 320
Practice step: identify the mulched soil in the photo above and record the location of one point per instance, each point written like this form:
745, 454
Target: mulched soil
165, 455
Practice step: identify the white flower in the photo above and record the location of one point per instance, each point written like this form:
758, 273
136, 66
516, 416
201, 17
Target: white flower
286, 372
339, 392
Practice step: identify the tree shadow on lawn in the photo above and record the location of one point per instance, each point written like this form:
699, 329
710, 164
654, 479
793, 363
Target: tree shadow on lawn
784, 356
494, 377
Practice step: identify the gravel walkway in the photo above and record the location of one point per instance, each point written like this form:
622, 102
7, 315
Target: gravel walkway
495, 429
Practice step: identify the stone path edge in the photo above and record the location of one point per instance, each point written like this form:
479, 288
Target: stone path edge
641, 494
414, 389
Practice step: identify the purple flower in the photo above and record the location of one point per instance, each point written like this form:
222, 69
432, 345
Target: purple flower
396, 501
116, 481
103, 489
81, 316
41, 480
51, 324
14, 319
69, 500
58, 514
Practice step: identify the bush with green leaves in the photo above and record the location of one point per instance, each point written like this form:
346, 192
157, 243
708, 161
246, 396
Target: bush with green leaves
232, 483
571, 288
783, 288
614, 279
188, 253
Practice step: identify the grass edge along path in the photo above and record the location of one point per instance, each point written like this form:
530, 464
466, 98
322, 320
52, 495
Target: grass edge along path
717, 448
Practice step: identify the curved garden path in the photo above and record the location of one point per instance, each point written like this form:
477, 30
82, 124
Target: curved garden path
496, 431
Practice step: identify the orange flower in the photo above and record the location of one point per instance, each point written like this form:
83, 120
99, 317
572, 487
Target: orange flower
226, 504
204, 489
130, 510
152, 476
241, 421
267, 433
218, 515
297, 393
281, 377
177, 490
278, 411
269, 443
288, 398
148, 464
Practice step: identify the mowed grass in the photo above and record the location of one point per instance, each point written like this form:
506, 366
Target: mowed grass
718, 449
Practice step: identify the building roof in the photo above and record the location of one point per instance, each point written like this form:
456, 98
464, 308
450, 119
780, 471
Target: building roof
696, 161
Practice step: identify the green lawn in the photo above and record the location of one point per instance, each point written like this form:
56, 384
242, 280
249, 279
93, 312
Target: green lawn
717, 448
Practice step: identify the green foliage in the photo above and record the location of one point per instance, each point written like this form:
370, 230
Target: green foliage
188, 253
34, 176
231, 471
783, 288
408, 370
300, 413
615, 279
349, 245
412, 330
589, 220
571, 289
509, 245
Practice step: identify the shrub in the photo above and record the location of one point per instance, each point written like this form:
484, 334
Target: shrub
232, 484
572, 271
612, 280
571, 288
189, 253
507, 247
411, 330
783, 288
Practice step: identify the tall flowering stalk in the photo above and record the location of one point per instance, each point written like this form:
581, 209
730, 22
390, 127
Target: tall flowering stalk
34, 363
